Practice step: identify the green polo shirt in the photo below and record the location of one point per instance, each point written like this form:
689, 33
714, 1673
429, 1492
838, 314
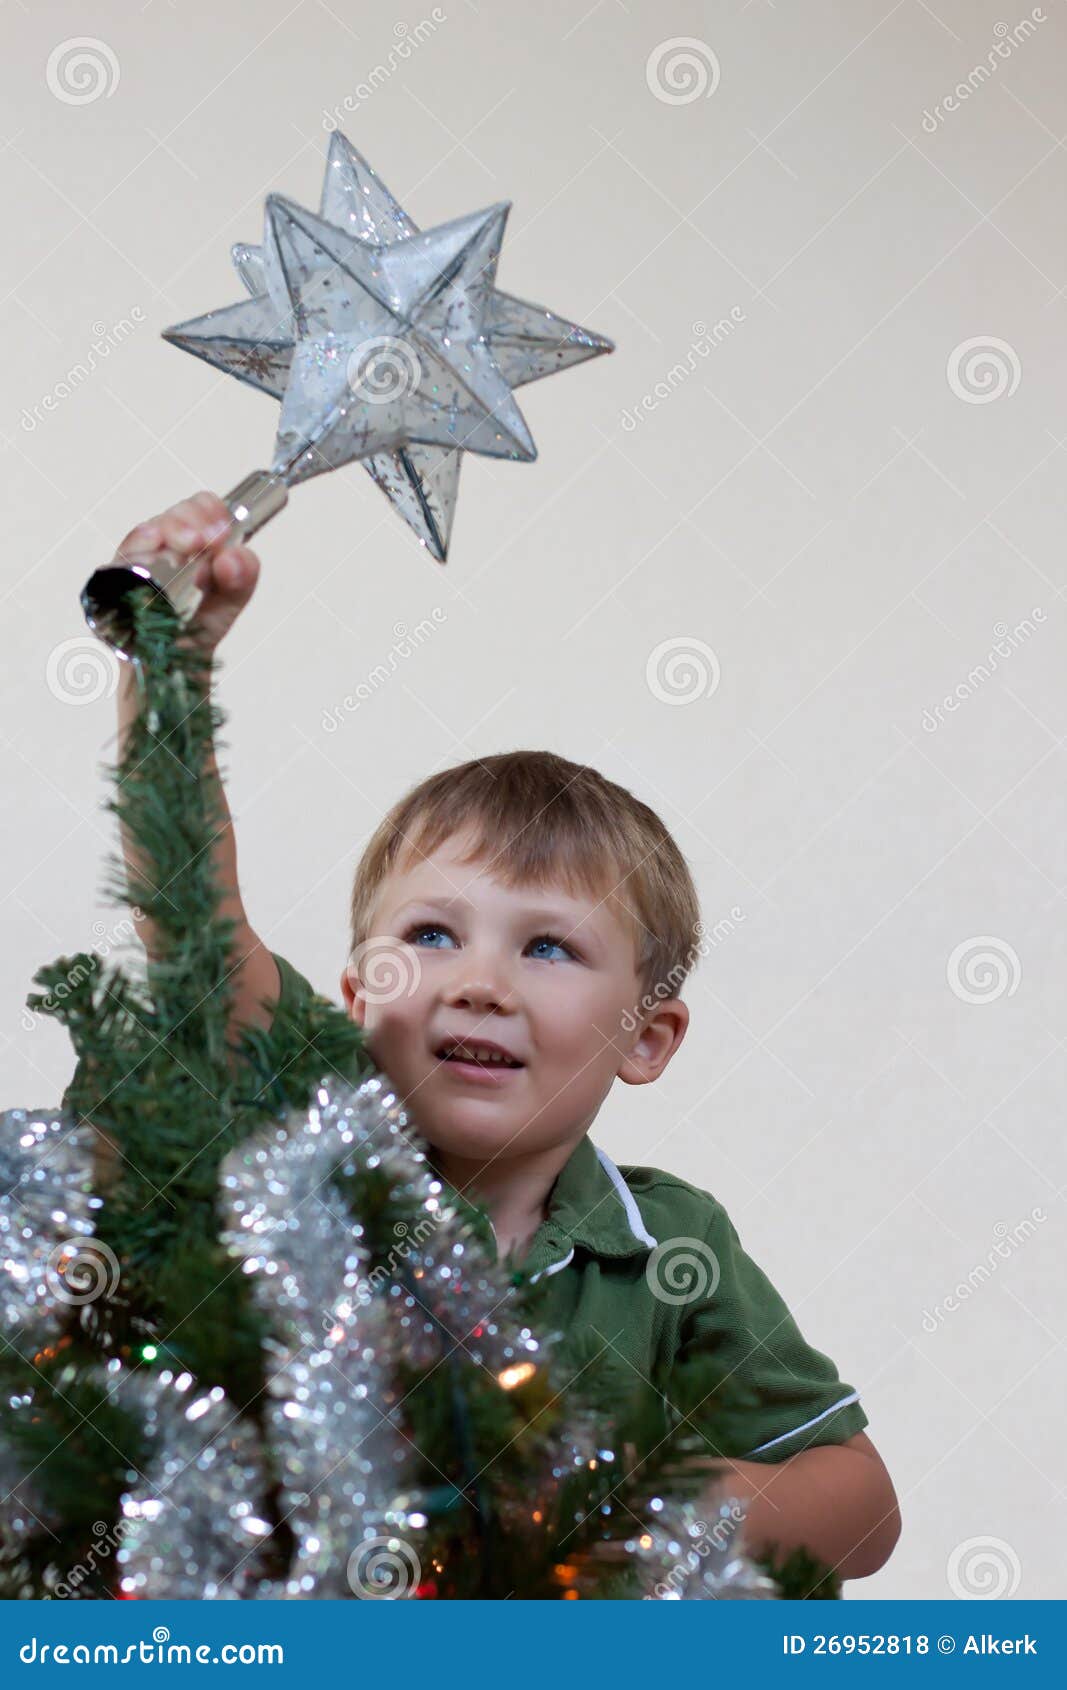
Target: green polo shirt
643, 1262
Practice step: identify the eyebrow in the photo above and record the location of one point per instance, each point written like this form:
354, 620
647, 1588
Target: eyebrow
430, 898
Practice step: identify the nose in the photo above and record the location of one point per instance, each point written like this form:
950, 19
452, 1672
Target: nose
480, 982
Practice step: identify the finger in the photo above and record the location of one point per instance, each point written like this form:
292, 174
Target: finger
234, 572
190, 525
186, 510
146, 537
200, 520
184, 529
210, 505
212, 514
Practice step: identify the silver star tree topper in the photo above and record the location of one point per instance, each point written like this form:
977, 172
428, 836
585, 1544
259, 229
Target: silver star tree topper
384, 344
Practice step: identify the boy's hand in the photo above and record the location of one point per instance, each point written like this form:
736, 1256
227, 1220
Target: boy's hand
226, 573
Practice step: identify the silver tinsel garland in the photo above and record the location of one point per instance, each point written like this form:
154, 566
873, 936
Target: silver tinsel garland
289, 1223
47, 1214
343, 1322
341, 1461
684, 1557
193, 1524
48, 1258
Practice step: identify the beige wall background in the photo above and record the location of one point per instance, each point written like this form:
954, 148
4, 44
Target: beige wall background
816, 492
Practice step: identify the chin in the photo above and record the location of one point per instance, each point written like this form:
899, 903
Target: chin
465, 1131
484, 1134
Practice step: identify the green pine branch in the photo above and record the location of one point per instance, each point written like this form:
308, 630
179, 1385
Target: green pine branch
166, 1088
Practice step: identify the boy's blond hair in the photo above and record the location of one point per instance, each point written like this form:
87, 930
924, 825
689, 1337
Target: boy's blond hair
536, 817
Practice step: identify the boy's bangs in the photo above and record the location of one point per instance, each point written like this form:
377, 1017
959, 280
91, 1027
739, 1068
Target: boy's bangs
526, 851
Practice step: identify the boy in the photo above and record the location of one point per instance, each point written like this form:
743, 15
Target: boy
511, 920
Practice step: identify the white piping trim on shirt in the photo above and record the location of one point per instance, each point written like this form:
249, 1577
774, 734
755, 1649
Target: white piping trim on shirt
855, 1397
555, 1266
633, 1213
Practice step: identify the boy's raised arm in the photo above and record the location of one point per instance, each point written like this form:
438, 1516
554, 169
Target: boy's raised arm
227, 575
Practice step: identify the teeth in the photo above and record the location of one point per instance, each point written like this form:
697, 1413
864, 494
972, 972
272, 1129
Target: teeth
480, 1053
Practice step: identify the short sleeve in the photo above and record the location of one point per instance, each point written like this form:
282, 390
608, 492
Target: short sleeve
799, 1401
293, 991
300, 1007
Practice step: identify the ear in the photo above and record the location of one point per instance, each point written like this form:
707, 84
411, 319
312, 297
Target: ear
352, 992
660, 1035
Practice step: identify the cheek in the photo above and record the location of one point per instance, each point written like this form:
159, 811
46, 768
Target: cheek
581, 1036
396, 1027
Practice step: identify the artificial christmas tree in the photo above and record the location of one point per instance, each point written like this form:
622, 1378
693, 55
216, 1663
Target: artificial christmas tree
249, 1348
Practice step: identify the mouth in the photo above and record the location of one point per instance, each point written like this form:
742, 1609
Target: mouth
486, 1063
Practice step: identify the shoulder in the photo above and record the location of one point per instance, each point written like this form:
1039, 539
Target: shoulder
671, 1206
314, 1035
294, 988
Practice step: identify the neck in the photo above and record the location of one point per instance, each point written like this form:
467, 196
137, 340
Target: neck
513, 1189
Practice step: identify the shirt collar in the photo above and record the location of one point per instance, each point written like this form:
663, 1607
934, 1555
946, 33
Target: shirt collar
593, 1207
590, 1207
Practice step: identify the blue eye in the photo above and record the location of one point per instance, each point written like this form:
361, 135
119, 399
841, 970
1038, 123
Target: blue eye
547, 939
427, 927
